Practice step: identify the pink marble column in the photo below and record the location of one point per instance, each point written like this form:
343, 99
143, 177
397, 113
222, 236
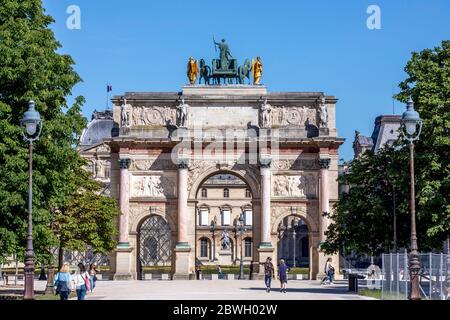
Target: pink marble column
324, 164
265, 202
182, 204
124, 202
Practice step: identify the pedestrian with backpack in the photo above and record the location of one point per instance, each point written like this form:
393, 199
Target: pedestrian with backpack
63, 282
82, 282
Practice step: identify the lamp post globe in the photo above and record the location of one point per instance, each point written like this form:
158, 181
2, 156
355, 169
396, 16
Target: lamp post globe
411, 129
411, 122
31, 124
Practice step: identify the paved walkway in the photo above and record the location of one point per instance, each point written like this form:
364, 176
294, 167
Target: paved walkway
218, 290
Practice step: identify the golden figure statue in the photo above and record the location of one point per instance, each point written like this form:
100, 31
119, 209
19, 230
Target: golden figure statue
192, 70
257, 70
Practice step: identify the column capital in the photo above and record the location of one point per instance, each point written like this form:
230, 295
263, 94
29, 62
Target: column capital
324, 163
183, 163
124, 163
265, 162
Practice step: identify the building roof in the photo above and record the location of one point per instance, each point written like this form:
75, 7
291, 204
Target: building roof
224, 179
385, 131
100, 127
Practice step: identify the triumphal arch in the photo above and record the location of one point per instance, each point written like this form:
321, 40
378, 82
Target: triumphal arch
282, 146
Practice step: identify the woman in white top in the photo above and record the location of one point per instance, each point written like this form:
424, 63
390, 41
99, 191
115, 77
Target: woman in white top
81, 282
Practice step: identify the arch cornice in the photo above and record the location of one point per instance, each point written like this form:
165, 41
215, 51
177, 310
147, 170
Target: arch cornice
299, 212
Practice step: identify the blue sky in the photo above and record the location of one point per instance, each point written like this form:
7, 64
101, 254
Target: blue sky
139, 45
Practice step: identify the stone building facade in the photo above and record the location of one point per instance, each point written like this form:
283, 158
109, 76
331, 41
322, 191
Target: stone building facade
283, 146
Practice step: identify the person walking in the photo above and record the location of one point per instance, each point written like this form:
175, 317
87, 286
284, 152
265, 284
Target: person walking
329, 272
92, 275
283, 269
82, 282
63, 282
219, 272
268, 273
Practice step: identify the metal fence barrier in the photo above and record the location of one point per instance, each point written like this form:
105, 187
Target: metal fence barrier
434, 276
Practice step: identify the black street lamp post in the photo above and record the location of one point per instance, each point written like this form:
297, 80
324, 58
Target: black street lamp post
294, 235
32, 126
411, 129
241, 229
213, 229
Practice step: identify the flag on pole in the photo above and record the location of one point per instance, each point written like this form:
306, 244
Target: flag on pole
109, 88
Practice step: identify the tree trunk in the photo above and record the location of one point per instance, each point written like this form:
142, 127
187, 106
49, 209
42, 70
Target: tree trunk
60, 257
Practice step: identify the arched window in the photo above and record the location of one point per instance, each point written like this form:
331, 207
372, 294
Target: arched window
204, 193
203, 247
248, 247
226, 193
247, 193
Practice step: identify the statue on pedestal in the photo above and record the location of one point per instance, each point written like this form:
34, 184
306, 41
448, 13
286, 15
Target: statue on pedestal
257, 70
182, 114
266, 109
225, 240
192, 70
323, 114
124, 114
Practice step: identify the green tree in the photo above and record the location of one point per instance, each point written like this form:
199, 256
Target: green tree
362, 219
428, 84
88, 219
32, 69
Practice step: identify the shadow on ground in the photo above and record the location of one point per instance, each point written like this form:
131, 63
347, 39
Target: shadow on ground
329, 290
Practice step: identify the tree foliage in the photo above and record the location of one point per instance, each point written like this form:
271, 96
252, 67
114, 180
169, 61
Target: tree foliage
32, 69
88, 219
363, 219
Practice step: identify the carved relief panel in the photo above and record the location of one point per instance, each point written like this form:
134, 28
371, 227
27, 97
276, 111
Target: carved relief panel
152, 116
154, 186
301, 186
293, 116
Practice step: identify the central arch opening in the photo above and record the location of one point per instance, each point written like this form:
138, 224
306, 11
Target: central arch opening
293, 242
224, 226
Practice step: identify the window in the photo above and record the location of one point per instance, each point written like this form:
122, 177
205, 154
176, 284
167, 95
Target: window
107, 169
247, 193
226, 193
248, 247
203, 247
203, 217
204, 193
248, 217
226, 217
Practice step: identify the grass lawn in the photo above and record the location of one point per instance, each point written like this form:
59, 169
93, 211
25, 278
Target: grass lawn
370, 293
52, 296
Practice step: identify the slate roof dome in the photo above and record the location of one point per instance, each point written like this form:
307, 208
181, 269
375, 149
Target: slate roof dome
100, 127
